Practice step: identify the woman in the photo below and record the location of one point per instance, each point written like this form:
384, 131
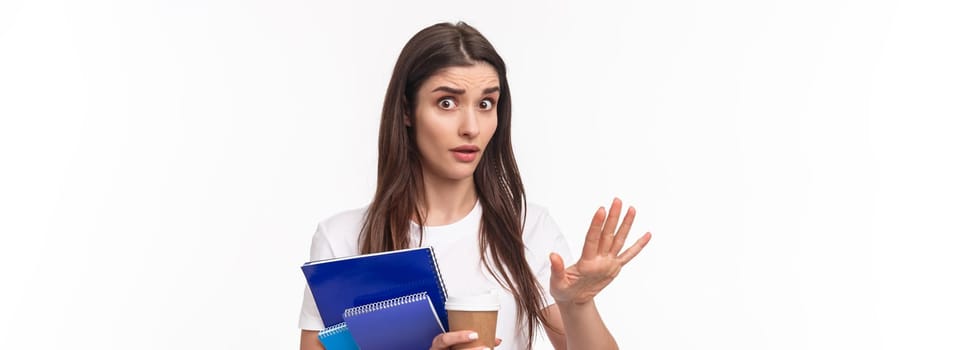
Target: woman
446, 177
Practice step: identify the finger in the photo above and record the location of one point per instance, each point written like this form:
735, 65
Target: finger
631, 252
593, 238
497, 341
557, 267
446, 340
607, 234
623, 231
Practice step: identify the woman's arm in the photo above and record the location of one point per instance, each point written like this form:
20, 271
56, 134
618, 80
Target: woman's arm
586, 329
309, 340
574, 287
557, 336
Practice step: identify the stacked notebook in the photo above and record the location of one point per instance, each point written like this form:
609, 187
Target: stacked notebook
337, 338
390, 300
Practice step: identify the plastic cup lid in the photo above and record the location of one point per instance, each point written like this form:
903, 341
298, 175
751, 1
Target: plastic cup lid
477, 302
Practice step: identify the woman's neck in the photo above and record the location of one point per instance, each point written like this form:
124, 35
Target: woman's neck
447, 201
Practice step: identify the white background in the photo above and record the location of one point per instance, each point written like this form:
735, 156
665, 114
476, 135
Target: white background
164, 163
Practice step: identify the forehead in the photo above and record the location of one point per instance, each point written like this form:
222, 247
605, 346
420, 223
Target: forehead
477, 76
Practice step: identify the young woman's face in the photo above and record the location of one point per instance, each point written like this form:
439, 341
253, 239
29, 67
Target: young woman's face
455, 115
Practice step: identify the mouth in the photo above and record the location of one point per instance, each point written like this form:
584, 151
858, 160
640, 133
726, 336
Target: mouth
465, 153
466, 149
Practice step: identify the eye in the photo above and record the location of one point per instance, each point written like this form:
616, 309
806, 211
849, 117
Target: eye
446, 103
487, 104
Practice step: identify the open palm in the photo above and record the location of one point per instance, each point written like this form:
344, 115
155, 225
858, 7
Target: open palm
601, 260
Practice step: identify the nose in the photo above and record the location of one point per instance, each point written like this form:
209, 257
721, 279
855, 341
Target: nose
469, 127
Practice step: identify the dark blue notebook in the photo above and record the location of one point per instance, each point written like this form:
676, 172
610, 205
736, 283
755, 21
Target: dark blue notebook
342, 283
405, 323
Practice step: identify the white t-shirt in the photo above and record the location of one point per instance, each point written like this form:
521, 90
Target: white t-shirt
458, 256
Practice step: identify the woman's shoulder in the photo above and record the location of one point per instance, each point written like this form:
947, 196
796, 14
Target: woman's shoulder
538, 221
542, 235
535, 212
344, 224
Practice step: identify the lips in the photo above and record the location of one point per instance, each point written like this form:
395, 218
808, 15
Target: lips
466, 149
466, 153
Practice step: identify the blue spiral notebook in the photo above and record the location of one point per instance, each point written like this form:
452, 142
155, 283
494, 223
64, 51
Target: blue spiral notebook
341, 283
407, 322
337, 337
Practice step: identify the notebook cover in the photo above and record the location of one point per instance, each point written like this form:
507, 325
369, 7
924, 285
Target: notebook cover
341, 283
337, 337
408, 322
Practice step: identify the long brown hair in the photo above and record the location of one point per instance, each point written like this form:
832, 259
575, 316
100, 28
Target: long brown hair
400, 186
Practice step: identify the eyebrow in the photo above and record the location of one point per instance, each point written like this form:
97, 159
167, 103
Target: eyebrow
454, 91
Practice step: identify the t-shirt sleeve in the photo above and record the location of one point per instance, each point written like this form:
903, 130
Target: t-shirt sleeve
319, 249
543, 238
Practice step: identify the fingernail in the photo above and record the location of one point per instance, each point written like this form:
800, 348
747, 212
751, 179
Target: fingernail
472, 336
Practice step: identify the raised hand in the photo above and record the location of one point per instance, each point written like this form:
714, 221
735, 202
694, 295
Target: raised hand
601, 260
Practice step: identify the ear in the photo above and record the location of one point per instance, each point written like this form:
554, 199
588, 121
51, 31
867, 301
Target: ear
407, 120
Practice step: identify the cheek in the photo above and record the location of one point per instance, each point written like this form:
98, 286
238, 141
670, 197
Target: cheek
491, 127
423, 138
427, 132
487, 131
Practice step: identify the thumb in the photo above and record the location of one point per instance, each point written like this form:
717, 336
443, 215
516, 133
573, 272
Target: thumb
557, 266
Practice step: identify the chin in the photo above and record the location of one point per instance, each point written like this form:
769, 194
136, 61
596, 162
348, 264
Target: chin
460, 177
452, 171
461, 173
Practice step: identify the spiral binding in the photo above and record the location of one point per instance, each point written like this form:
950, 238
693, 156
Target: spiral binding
380, 305
439, 278
332, 330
